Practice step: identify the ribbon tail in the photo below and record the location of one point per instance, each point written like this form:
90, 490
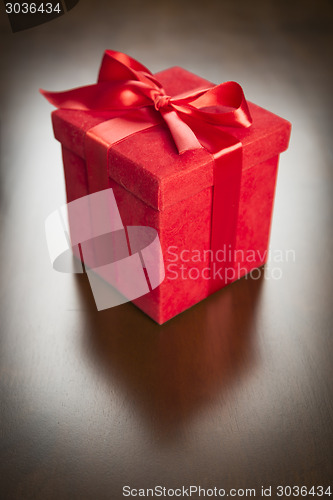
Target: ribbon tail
183, 136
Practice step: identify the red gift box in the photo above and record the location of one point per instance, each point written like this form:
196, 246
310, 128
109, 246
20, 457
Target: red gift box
213, 223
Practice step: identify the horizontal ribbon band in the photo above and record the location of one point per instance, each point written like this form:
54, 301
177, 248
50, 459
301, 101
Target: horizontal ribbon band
194, 119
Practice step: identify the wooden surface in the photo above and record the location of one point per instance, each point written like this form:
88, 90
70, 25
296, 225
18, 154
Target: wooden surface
237, 391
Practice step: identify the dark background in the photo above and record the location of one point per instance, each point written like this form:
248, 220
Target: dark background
235, 392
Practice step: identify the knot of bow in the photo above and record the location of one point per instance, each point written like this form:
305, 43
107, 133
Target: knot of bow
161, 102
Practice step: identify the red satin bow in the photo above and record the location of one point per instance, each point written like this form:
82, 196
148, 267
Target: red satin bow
124, 84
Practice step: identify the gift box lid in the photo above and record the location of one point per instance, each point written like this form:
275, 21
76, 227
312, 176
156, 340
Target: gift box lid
148, 164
